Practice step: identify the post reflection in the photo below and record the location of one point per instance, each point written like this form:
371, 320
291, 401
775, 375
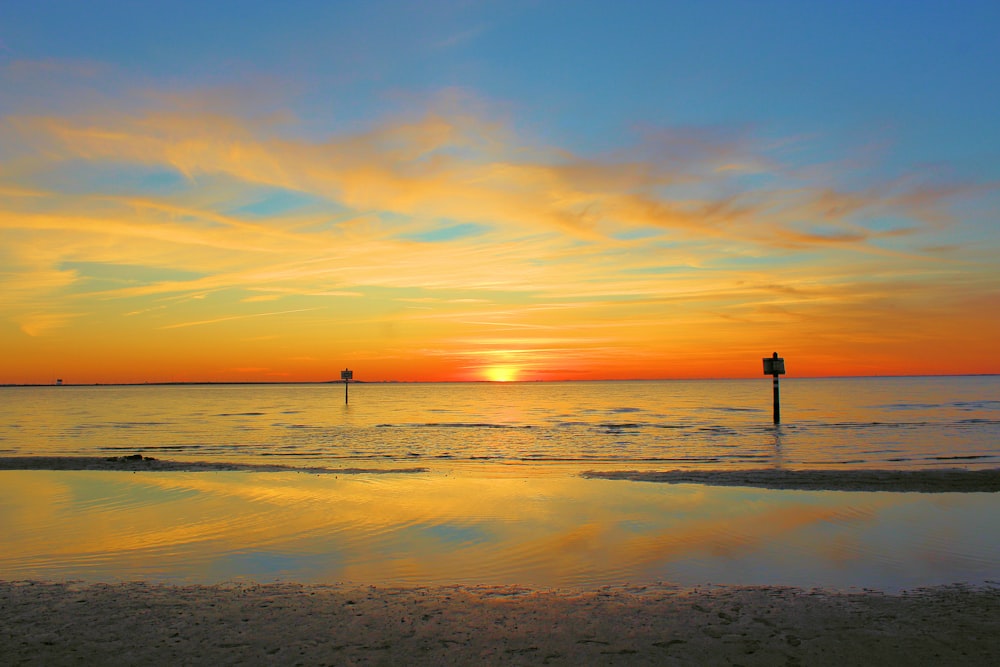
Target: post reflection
777, 452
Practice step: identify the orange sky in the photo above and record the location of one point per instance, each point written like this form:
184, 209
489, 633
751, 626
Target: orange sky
158, 223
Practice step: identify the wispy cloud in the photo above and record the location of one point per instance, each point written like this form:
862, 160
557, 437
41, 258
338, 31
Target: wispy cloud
39, 323
231, 318
438, 167
678, 238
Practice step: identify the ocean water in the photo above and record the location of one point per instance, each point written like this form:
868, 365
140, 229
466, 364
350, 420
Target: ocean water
853, 422
500, 499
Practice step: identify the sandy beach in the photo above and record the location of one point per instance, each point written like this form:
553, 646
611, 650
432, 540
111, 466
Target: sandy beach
137, 623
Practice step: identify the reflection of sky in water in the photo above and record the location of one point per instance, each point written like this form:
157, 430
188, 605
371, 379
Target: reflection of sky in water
487, 527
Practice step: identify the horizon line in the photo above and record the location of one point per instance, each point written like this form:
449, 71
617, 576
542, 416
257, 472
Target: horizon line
318, 382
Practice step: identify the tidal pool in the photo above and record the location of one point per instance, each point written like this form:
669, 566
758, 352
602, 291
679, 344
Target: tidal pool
485, 526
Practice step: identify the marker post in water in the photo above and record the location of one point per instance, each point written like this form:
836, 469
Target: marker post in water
347, 375
774, 365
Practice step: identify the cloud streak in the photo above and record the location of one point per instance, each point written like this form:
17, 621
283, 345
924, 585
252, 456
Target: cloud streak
231, 318
679, 239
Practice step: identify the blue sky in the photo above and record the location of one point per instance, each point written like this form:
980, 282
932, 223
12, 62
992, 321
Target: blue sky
922, 73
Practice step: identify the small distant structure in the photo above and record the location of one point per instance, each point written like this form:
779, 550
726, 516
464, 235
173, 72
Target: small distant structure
775, 365
58, 382
346, 375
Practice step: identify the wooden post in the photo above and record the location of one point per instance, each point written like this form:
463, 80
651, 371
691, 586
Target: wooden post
346, 375
777, 398
775, 366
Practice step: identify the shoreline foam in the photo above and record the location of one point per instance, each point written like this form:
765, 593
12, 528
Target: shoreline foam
139, 623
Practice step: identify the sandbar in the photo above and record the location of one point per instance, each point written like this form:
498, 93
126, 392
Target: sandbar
137, 462
900, 481
150, 624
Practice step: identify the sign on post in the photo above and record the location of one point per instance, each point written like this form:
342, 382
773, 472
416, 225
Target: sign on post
775, 365
346, 375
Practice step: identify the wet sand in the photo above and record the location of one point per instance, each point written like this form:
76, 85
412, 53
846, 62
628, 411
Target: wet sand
137, 463
923, 481
137, 623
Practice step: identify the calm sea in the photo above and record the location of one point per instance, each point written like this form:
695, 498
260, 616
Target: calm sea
500, 499
854, 422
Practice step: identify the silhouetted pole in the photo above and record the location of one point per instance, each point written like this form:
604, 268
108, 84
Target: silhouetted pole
346, 375
777, 401
775, 366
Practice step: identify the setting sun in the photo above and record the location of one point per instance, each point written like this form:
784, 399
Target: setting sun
501, 373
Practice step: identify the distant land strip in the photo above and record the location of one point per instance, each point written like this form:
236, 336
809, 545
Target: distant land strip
920, 481
137, 462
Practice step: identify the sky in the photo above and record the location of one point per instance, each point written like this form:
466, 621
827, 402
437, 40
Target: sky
515, 190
